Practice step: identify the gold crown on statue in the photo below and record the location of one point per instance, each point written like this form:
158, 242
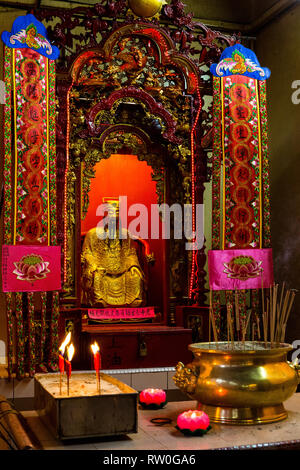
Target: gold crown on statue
113, 202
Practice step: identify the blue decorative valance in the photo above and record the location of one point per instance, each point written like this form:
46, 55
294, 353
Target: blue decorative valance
239, 60
28, 32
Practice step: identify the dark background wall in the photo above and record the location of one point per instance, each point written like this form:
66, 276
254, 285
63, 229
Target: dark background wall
277, 47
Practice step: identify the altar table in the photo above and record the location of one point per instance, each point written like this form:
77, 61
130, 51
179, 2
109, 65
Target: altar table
280, 435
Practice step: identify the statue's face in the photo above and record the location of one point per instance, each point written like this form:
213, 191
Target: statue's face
113, 212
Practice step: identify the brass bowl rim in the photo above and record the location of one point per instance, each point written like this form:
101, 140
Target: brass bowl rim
216, 348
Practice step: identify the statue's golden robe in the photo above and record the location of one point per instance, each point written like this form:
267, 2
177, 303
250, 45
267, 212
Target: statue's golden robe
111, 272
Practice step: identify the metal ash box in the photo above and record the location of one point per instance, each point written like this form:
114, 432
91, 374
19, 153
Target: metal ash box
85, 413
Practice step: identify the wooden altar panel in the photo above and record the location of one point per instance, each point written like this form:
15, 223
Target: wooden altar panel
165, 347
121, 345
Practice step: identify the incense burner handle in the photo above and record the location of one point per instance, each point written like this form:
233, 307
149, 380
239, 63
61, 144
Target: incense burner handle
296, 368
186, 378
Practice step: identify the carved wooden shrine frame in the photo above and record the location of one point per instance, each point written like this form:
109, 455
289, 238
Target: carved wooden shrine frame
165, 76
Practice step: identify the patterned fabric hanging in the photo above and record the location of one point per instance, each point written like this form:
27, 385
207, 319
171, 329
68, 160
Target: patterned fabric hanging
29, 189
240, 180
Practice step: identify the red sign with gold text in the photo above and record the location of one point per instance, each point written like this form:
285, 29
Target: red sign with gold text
121, 313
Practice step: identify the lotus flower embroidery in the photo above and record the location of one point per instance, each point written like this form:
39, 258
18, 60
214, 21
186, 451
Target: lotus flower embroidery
31, 268
243, 268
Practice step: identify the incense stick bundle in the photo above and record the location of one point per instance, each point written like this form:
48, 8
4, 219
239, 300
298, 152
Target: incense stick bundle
286, 317
276, 312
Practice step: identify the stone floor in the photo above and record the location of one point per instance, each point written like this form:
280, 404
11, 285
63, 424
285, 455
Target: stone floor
167, 437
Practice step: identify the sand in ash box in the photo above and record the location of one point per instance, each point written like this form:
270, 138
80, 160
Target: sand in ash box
85, 413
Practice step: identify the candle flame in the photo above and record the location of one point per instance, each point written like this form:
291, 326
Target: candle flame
95, 347
65, 343
70, 350
194, 414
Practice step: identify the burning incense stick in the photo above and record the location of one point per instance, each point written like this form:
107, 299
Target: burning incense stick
263, 310
258, 328
237, 314
211, 314
244, 332
229, 322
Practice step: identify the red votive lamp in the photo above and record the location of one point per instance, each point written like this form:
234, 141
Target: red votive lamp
193, 422
153, 398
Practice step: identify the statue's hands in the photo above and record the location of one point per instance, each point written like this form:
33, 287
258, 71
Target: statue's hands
150, 258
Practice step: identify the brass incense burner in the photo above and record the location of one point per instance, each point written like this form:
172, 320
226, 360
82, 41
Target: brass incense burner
239, 382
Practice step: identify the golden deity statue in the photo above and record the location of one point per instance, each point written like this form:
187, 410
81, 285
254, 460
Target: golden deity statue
111, 272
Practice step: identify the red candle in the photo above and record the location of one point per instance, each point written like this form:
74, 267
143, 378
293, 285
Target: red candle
70, 351
61, 359
61, 363
152, 396
97, 357
68, 368
193, 420
97, 362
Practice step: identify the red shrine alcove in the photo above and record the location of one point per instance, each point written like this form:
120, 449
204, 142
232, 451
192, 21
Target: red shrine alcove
127, 177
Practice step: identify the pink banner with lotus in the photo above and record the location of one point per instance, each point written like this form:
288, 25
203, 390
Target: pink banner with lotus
240, 269
31, 268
